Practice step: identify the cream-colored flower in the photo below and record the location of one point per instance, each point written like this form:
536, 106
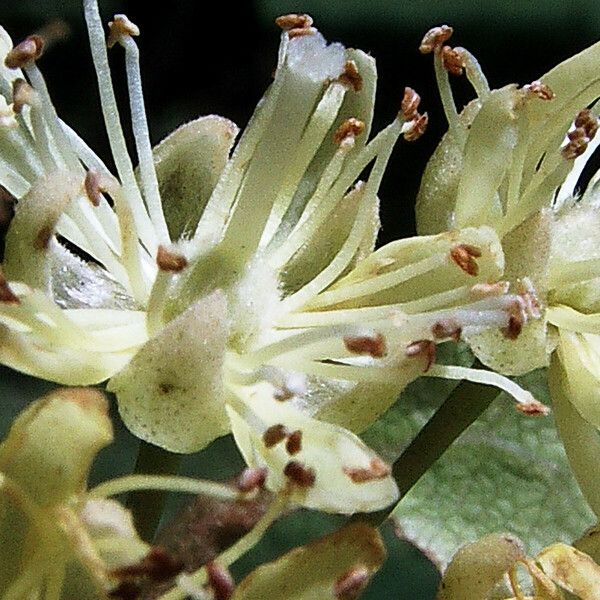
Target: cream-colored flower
512, 160
237, 292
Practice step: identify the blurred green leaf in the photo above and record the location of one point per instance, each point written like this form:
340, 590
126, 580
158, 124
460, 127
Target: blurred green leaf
507, 472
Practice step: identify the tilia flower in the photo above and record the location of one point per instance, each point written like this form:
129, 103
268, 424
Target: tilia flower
55, 538
512, 159
236, 292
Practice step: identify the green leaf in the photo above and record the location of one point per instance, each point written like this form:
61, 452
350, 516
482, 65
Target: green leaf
507, 471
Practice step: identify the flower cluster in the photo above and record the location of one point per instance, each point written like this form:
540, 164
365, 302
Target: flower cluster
512, 160
237, 290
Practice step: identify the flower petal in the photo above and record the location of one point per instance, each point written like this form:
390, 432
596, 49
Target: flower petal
30, 238
348, 476
188, 164
51, 445
170, 394
342, 562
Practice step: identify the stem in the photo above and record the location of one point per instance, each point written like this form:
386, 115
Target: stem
147, 506
237, 550
464, 405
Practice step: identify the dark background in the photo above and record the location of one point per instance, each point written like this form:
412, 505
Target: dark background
198, 60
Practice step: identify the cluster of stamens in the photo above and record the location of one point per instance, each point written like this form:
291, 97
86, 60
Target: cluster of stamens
584, 131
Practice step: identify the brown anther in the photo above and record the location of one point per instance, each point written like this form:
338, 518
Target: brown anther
43, 237
533, 408
351, 584
350, 128
577, 134
301, 32
274, 434
119, 28
410, 104
300, 474
417, 128
293, 444
251, 478
351, 77
516, 319
373, 345
574, 148
28, 51
453, 61
7, 296
464, 256
220, 581
170, 261
586, 121
485, 290
22, 94
422, 348
294, 21
434, 38
93, 187
377, 469
540, 90
514, 327
446, 328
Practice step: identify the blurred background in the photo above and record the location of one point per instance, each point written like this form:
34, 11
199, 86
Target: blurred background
200, 58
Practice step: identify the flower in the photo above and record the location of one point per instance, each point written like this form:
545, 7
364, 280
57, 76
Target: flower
512, 160
54, 535
238, 292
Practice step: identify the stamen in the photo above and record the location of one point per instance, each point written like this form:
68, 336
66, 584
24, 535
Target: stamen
453, 61
220, 581
516, 319
121, 30
23, 95
274, 435
528, 404
422, 349
93, 187
410, 104
293, 444
432, 41
374, 346
28, 51
301, 31
251, 478
351, 77
539, 90
464, 256
377, 469
170, 261
351, 584
294, 21
300, 474
447, 328
487, 290
141, 222
416, 128
350, 129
